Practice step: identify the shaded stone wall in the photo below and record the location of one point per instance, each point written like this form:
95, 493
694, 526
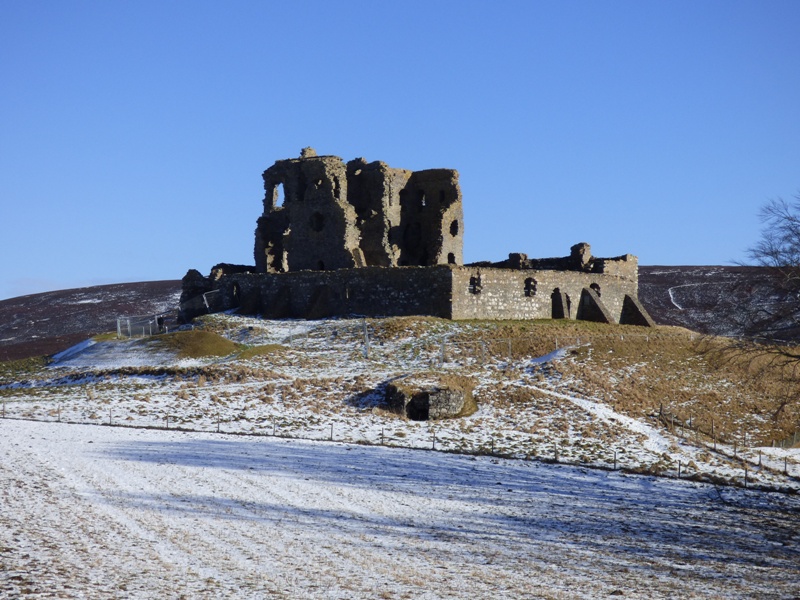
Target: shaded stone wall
370, 291
336, 216
315, 227
374, 190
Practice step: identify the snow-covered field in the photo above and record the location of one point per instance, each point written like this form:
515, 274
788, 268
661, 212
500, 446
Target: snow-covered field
103, 512
295, 482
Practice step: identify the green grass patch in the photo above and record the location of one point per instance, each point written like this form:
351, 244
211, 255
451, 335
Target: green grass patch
197, 344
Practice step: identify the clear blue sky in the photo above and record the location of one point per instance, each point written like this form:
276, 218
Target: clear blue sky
133, 135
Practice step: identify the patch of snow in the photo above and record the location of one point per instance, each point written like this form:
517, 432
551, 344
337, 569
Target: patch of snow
72, 351
554, 355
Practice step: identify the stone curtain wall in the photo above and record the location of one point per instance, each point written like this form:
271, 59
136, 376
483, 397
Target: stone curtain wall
481, 293
368, 291
442, 291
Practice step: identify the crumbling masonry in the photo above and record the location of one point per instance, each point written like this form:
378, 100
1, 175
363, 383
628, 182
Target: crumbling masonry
366, 239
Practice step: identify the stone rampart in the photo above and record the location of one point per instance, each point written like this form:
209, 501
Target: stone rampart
487, 293
367, 291
441, 291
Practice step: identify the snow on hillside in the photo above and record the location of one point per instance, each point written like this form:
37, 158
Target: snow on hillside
324, 382
101, 512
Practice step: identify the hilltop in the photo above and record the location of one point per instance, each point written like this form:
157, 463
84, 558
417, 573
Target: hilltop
703, 299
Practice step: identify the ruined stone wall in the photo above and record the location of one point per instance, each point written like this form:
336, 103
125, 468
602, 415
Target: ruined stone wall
371, 291
315, 228
486, 293
373, 189
337, 216
432, 219
626, 266
443, 291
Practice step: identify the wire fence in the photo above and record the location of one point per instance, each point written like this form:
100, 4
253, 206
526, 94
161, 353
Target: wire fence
145, 325
750, 466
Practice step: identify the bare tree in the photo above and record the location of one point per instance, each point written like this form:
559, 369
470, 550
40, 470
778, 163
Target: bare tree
778, 318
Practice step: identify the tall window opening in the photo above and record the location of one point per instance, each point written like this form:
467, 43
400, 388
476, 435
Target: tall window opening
475, 286
530, 287
278, 195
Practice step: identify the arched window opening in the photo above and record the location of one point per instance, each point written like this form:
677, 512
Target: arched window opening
454, 228
320, 266
596, 288
278, 196
237, 296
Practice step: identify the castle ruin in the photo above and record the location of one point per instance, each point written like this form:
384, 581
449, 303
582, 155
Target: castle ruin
341, 216
366, 239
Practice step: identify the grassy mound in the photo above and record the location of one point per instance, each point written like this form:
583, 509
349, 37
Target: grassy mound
197, 344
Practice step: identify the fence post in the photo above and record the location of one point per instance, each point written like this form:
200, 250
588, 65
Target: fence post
434, 440
615, 460
331, 431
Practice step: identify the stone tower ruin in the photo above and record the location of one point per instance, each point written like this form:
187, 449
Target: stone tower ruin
337, 216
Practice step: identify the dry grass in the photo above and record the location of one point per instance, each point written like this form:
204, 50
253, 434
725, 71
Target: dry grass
264, 350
